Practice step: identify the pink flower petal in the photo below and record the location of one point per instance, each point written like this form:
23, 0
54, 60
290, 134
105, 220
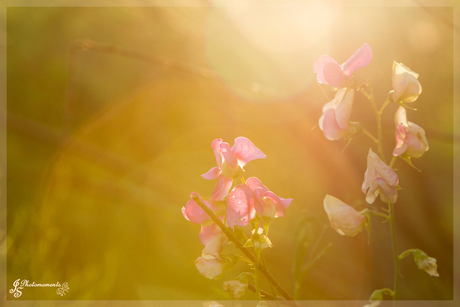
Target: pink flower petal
208, 233
240, 205
343, 110
388, 193
334, 76
229, 156
246, 151
401, 145
361, 58
253, 183
286, 202
193, 212
221, 189
329, 126
213, 173
383, 170
318, 67
215, 145
279, 206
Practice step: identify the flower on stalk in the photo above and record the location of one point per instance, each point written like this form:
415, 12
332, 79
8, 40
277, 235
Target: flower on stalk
406, 87
410, 138
210, 264
344, 219
253, 197
336, 113
330, 72
379, 179
425, 263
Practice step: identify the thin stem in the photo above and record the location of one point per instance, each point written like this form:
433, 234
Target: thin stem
395, 249
392, 162
380, 214
379, 124
373, 138
238, 245
271, 286
384, 105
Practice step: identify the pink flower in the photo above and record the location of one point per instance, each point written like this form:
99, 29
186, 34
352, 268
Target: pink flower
410, 138
344, 219
336, 113
194, 213
230, 161
245, 200
330, 72
209, 232
211, 264
379, 179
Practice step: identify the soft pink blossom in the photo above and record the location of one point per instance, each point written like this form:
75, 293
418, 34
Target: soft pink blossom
336, 114
230, 161
247, 199
379, 179
194, 213
211, 264
344, 219
410, 138
330, 72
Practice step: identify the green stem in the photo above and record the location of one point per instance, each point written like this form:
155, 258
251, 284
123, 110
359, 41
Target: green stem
380, 214
271, 286
406, 253
379, 124
373, 138
384, 105
245, 251
392, 162
395, 250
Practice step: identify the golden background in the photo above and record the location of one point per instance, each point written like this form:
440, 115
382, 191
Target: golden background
105, 146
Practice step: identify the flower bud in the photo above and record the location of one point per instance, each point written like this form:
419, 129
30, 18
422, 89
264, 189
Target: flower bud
426, 263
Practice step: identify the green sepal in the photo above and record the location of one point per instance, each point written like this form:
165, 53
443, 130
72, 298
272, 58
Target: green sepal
408, 161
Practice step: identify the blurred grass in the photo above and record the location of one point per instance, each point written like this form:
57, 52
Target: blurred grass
101, 204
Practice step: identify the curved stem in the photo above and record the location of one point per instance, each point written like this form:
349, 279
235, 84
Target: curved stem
395, 249
238, 245
373, 138
384, 105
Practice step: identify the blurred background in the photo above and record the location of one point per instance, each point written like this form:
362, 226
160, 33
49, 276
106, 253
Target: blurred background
112, 111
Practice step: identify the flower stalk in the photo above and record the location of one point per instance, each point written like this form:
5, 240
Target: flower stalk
247, 253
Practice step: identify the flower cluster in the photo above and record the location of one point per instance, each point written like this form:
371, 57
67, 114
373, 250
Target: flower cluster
380, 179
232, 206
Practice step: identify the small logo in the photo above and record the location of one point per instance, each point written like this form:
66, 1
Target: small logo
63, 289
19, 285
